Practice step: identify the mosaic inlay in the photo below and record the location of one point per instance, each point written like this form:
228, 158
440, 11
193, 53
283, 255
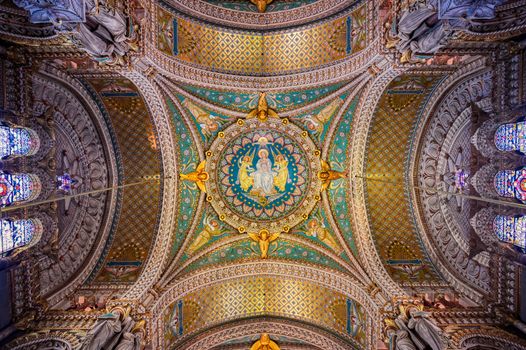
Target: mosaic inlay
261, 174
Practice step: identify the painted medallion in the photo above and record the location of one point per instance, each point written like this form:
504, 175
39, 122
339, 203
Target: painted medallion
263, 176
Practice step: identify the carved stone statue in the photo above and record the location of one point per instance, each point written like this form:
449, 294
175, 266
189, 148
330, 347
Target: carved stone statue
54, 11
402, 341
401, 322
420, 30
106, 332
425, 328
103, 34
132, 340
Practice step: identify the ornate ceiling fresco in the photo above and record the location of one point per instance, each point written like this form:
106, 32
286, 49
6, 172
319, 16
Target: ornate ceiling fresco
287, 174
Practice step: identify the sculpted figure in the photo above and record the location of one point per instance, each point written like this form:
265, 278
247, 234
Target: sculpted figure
421, 31
264, 238
199, 176
261, 4
103, 34
326, 175
106, 331
402, 341
132, 340
262, 112
425, 328
264, 343
401, 323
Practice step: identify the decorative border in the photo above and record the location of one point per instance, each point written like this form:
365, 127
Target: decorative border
261, 21
361, 125
272, 325
161, 248
188, 73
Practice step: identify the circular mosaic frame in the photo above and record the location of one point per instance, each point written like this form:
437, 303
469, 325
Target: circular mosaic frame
303, 178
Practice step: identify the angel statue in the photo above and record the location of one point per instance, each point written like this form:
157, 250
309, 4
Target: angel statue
326, 175
199, 176
104, 33
212, 228
262, 112
132, 340
426, 329
264, 343
107, 330
264, 238
261, 4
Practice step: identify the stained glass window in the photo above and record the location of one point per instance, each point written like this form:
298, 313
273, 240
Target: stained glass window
17, 141
64, 182
18, 188
511, 184
511, 229
18, 233
511, 137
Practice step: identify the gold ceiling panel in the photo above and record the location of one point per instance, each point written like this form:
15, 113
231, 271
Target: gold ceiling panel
388, 203
258, 53
263, 295
136, 226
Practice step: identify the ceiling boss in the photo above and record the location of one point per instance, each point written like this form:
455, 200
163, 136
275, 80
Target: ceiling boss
263, 177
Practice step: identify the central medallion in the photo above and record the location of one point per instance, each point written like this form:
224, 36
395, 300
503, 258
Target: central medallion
263, 175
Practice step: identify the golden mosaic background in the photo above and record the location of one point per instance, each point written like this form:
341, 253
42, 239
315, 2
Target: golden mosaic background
140, 157
257, 296
255, 53
389, 211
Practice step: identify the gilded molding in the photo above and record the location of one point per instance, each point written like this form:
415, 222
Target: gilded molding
156, 262
263, 21
274, 326
364, 241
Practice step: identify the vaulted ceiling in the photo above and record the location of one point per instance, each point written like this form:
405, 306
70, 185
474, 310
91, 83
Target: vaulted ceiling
273, 172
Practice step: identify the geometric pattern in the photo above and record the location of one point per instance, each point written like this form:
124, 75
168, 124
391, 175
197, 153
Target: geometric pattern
276, 5
135, 229
389, 209
257, 53
268, 296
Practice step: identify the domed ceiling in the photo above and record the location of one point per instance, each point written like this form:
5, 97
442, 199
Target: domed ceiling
280, 170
